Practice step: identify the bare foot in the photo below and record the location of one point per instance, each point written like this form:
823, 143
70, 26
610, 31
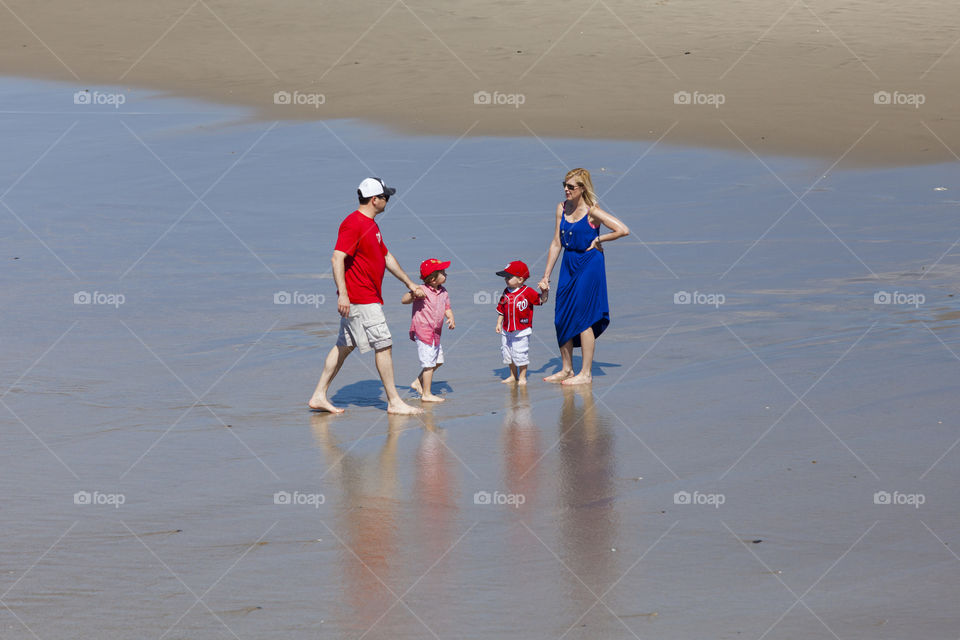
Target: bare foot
508, 380
401, 408
322, 404
559, 376
580, 378
416, 386
522, 381
429, 397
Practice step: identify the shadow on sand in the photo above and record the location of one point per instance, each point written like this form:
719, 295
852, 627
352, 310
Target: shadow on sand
362, 393
369, 393
555, 364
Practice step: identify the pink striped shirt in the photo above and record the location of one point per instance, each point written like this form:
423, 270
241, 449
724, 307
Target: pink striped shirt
427, 320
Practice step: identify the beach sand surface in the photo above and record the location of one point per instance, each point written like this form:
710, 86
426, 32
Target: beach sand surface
774, 77
724, 476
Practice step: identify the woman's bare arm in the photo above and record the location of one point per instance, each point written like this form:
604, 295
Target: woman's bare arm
617, 228
553, 252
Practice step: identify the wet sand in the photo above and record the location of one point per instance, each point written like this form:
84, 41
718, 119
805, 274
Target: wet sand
723, 465
776, 77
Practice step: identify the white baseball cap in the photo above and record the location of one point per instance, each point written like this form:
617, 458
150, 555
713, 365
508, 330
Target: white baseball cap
374, 187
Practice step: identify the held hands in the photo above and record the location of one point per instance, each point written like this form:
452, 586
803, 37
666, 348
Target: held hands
544, 284
417, 292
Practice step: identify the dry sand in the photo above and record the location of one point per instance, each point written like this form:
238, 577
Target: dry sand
795, 77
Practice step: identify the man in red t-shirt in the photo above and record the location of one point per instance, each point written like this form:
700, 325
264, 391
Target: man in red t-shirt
359, 260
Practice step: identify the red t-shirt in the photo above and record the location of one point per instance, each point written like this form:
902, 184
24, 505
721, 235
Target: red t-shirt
516, 307
359, 238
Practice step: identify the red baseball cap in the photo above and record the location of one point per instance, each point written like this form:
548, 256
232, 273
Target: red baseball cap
515, 268
430, 265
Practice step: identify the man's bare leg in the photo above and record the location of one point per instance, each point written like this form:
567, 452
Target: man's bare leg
586, 371
513, 375
331, 367
566, 355
427, 394
395, 404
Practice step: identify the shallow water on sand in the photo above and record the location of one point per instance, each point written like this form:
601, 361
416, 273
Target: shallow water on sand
718, 479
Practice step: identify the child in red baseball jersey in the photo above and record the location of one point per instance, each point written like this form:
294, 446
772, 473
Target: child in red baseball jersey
427, 322
515, 319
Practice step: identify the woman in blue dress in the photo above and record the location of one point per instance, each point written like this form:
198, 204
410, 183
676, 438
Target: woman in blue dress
582, 312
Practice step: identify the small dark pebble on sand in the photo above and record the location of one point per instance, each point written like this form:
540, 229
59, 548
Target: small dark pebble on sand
757, 541
686, 53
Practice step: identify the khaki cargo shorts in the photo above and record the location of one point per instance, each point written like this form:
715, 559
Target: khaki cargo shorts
365, 328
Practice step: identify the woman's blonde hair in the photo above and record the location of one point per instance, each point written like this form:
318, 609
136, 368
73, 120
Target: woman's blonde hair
581, 178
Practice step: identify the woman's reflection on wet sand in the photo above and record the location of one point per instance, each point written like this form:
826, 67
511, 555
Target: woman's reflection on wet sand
588, 518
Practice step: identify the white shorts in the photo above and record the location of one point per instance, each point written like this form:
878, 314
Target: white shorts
515, 349
365, 327
430, 354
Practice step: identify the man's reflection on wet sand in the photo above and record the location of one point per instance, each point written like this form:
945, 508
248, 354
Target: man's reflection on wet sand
588, 520
366, 520
385, 543
436, 515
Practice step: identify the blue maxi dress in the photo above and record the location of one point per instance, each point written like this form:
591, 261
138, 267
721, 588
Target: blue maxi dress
582, 288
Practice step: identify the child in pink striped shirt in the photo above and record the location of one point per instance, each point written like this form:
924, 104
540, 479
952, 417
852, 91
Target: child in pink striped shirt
427, 322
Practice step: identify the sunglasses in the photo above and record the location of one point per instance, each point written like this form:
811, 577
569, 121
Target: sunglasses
385, 197
570, 187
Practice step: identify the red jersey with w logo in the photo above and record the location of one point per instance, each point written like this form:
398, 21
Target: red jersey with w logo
516, 307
